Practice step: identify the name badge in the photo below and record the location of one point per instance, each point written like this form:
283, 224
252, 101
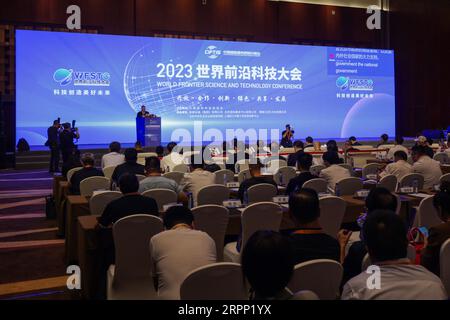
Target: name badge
232, 203
169, 205
362, 193
232, 184
280, 199
407, 190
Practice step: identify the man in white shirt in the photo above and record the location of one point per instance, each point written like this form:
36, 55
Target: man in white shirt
392, 276
173, 159
178, 251
197, 178
430, 169
333, 171
114, 157
398, 147
399, 168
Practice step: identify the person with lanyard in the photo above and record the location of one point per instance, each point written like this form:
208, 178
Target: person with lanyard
310, 242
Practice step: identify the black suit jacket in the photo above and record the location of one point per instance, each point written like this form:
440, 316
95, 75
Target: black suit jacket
139, 115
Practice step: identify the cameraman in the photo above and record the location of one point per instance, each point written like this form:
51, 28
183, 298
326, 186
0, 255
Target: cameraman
53, 144
66, 138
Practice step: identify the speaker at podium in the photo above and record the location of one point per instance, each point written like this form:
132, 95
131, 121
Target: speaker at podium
148, 131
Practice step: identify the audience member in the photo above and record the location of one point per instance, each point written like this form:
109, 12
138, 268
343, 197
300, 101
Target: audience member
87, 160
173, 158
437, 235
159, 150
333, 171
430, 169
138, 147
298, 149
197, 178
304, 163
378, 199
267, 263
256, 178
399, 168
426, 143
309, 240
179, 250
385, 237
114, 157
353, 142
309, 143
129, 166
384, 139
398, 147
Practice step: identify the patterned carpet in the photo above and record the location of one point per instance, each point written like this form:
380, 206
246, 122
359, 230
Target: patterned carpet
31, 255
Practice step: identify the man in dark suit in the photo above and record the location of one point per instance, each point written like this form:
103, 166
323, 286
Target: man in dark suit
304, 163
257, 178
53, 144
143, 113
286, 137
298, 150
129, 166
66, 138
88, 170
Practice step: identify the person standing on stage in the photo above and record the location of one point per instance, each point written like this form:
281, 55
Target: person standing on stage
53, 144
66, 138
143, 113
287, 135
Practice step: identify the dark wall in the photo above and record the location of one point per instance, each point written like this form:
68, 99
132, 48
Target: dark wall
418, 30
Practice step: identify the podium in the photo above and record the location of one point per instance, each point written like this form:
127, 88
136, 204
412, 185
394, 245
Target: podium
148, 131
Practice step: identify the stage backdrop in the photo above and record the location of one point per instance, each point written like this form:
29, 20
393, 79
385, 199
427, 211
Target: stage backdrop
102, 80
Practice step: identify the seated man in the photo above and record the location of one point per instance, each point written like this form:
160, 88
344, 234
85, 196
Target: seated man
398, 147
352, 141
399, 168
333, 171
129, 166
430, 169
197, 178
154, 179
131, 203
384, 140
310, 242
173, 159
309, 143
304, 163
437, 235
298, 150
87, 160
179, 250
256, 178
114, 157
385, 237
378, 199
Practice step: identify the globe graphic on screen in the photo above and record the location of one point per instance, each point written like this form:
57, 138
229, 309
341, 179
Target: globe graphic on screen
140, 85
370, 117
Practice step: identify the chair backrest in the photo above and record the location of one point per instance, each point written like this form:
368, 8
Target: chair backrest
407, 180
389, 182
348, 186
175, 176
315, 169
427, 215
223, 174
181, 168
108, 171
143, 155
410, 254
140, 177
368, 169
244, 175
442, 157
304, 295
319, 185
261, 192
260, 216
332, 211
132, 236
321, 276
212, 219
213, 194
445, 177
444, 260
161, 196
98, 202
217, 281
275, 164
347, 166
71, 172
241, 165
284, 174
91, 184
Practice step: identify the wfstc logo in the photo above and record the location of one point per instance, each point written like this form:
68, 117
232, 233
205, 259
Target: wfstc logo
345, 83
342, 83
81, 78
212, 52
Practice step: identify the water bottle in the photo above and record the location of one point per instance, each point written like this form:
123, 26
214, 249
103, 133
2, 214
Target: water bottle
245, 197
225, 179
281, 179
415, 185
337, 192
190, 200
